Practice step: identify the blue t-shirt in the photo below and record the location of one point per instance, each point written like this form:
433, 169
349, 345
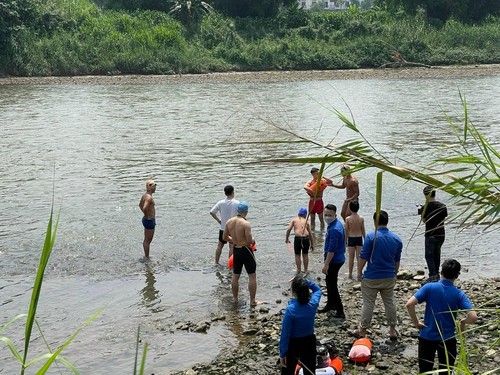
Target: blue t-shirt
381, 260
299, 319
443, 299
335, 242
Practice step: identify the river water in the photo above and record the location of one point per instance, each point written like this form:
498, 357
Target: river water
91, 147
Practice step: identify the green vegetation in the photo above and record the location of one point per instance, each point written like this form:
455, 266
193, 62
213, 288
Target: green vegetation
56, 37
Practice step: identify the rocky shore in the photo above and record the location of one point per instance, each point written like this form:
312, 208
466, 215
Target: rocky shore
258, 350
267, 76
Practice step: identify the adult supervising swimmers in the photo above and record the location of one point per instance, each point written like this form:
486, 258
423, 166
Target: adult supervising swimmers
297, 341
147, 206
239, 232
226, 208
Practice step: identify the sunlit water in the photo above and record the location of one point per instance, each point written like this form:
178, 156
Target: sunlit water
91, 147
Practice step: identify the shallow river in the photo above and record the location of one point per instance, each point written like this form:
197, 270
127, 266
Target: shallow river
91, 147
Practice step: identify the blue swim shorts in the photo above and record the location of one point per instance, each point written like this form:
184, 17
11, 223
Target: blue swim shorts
148, 224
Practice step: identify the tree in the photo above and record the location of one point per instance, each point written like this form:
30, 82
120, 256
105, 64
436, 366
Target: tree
251, 8
189, 11
464, 10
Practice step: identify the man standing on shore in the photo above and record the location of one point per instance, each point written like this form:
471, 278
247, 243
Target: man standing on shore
226, 208
433, 214
314, 189
334, 258
381, 253
351, 185
239, 231
147, 206
443, 301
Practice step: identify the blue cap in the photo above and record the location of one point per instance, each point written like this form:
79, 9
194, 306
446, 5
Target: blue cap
242, 207
302, 212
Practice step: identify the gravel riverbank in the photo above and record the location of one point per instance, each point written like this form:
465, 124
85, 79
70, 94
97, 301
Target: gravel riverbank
244, 77
259, 353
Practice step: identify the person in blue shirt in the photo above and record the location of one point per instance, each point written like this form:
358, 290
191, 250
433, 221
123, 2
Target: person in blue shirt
443, 301
297, 341
334, 256
381, 253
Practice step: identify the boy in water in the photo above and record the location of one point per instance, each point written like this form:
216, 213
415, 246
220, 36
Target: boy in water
303, 238
355, 234
147, 206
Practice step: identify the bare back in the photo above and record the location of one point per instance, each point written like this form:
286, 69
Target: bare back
300, 226
355, 226
351, 187
239, 230
147, 206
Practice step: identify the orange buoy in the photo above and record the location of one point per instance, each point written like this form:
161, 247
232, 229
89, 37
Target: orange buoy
361, 350
230, 262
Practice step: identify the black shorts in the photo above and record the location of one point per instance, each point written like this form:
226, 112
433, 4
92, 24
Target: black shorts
301, 245
221, 232
243, 256
355, 241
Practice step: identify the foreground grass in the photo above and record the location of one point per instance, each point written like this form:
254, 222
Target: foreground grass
87, 40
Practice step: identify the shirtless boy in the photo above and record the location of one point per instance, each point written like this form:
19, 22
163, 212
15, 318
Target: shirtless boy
147, 206
238, 231
351, 186
355, 234
303, 238
315, 193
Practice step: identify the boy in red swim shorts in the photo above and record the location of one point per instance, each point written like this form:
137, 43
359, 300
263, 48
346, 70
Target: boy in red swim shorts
315, 193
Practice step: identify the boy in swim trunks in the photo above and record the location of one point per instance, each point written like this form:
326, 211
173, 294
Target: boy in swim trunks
238, 231
355, 233
303, 238
351, 185
315, 193
147, 206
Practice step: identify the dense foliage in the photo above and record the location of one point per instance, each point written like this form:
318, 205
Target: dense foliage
57, 37
464, 10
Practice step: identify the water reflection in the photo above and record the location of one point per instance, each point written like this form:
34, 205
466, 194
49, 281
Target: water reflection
150, 295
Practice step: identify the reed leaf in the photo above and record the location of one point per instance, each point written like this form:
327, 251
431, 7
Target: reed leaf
37, 287
12, 348
55, 355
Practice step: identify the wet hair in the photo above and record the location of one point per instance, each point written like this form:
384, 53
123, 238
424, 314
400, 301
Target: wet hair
344, 168
354, 206
331, 207
429, 190
228, 189
300, 289
383, 219
314, 170
450, 269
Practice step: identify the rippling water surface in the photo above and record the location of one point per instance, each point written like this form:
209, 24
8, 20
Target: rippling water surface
91, 147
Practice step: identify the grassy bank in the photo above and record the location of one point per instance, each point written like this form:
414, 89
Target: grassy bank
84, 39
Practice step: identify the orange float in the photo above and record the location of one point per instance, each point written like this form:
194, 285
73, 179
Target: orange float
361, 350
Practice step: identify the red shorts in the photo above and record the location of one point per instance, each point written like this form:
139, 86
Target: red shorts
318, 206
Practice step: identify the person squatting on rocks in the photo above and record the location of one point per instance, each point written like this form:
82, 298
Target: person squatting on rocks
351, 185
226, 208
315, 193
437, 331
334, 258
381, 254
297, 341
433, 215
303, 240
355, 234
147, 206
239, 232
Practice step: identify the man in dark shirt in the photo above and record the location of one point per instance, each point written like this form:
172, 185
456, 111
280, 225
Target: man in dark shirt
433, 214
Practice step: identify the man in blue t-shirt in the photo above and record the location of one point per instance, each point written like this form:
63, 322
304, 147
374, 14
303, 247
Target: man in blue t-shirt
334, 256
443, 300
381, 253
